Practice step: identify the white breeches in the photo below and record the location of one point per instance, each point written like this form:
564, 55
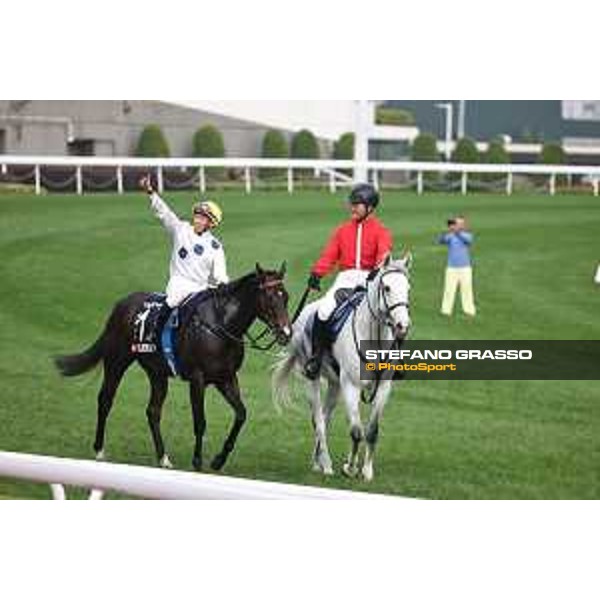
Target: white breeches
346, 279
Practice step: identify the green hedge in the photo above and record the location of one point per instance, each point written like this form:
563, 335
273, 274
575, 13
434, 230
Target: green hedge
424, 149
343, 148
274, 145
304, 145
552, 154
208, 143
495, 154
393, 116
152, 143
465, 152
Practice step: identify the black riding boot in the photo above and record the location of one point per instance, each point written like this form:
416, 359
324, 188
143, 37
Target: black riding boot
320, 343
158, 320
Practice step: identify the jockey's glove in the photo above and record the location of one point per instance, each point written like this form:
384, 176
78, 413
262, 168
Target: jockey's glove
314, 282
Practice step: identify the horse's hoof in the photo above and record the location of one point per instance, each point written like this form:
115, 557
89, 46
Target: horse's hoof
197, 464
165, 462
217, 462
348, 470
367, 473
328, 471
100, 456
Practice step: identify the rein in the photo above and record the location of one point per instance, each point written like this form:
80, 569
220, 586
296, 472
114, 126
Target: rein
250, 342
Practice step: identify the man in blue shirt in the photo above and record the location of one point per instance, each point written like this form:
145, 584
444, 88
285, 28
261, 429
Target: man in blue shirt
458, 272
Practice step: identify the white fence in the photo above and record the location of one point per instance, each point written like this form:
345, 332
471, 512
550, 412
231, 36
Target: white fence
146, 482
332, 170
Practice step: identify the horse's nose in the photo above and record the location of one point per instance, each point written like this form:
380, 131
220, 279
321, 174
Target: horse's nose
402, 330
285, 334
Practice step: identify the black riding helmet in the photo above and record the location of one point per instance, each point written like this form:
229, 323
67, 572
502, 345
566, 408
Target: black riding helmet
364, 193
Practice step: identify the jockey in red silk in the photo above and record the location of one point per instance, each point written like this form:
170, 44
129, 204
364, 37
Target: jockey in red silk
355, 248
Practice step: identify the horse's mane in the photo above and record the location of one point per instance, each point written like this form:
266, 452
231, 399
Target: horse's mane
240, 282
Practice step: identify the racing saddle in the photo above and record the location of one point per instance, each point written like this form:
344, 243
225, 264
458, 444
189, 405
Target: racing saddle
155, 326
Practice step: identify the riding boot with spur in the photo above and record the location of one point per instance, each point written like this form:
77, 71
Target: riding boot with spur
320, 343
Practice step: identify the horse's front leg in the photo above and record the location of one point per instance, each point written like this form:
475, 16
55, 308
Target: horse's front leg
372, 428
321, 457
197, 387
231, 392
351, 395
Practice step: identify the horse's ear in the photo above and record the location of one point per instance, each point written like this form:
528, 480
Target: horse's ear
407, 258
388, 260
259, 269
283, 269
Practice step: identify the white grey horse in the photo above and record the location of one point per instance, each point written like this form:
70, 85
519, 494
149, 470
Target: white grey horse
382, 315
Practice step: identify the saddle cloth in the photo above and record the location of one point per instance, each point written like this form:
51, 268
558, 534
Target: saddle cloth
150, 336
347, 300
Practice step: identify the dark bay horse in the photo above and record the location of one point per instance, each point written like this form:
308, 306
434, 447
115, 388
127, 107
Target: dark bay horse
210, 350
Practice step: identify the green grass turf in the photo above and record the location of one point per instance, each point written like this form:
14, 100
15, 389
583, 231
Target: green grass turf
67, 259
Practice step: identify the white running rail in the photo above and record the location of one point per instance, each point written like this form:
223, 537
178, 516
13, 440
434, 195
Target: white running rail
332, 167
147, 482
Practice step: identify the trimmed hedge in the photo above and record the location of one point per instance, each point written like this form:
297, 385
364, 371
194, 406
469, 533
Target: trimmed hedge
495, 154
152, 143
424, 148
274, 145
465, 152
398, 117
552, 154
343, 148
304, 145
208, 143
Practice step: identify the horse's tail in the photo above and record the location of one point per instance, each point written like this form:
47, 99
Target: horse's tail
77, 364
282, 396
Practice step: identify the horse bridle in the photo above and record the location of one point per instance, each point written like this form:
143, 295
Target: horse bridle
269, 327
386, 320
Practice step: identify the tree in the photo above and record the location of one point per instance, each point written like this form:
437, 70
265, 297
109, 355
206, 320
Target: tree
152, 143
274, 145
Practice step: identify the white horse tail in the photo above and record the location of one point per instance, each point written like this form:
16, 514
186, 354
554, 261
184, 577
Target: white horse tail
280, 380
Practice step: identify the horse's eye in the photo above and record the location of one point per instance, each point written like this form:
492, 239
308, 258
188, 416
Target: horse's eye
386, 289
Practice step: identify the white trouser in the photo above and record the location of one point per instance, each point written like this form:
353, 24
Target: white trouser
346, 279
458, 277
179, 289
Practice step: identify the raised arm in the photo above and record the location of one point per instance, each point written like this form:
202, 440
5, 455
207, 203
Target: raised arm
466, 237
161, 209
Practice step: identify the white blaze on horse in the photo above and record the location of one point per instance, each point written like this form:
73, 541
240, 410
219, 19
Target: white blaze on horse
382, 315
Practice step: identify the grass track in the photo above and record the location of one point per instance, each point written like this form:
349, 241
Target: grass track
66, 259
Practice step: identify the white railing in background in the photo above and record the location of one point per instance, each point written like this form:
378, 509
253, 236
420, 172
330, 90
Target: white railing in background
332, 168
146, 482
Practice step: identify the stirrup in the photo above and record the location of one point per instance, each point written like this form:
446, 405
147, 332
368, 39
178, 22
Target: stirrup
312, 367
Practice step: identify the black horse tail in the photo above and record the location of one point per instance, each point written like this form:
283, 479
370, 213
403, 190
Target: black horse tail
77, 364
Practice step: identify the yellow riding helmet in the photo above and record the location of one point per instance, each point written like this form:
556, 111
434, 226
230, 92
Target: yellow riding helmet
211, 209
